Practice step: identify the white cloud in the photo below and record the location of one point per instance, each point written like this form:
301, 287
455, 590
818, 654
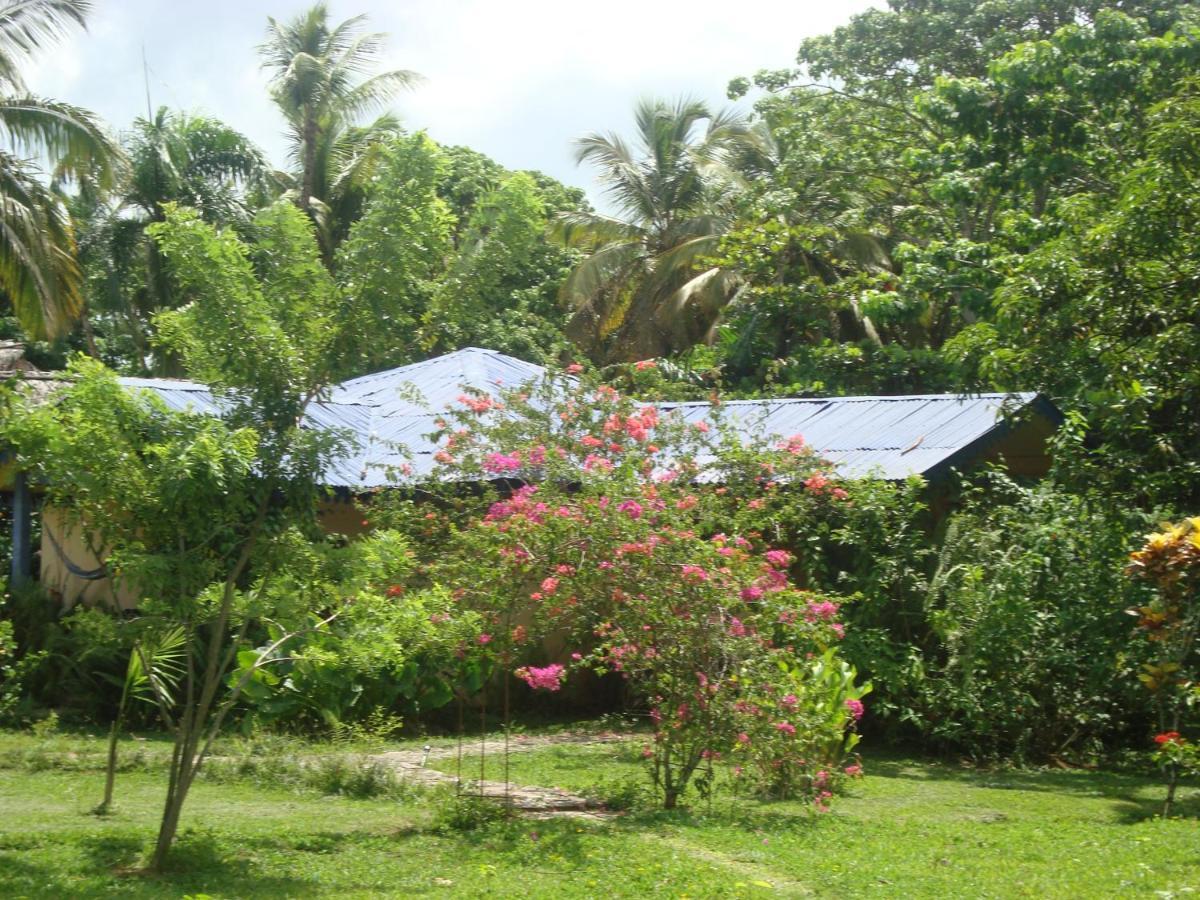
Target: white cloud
518, 80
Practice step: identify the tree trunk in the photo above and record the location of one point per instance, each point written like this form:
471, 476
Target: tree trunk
1172, 783
110, 773
308, 177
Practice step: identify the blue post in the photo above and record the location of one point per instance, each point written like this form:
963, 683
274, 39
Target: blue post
22, 550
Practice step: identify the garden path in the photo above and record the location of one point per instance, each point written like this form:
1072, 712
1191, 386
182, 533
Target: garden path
535, 801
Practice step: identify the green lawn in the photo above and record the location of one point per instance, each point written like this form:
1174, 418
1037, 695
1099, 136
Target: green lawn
910, 829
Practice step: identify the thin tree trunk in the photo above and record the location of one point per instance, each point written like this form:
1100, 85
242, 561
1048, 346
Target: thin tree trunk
110, 772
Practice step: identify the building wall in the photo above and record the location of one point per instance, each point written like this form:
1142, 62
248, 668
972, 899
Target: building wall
336, 516
57, 578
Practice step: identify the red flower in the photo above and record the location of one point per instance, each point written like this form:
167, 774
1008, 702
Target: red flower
1168, 737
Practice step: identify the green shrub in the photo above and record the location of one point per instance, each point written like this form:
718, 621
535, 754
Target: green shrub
466, 811
1033, 655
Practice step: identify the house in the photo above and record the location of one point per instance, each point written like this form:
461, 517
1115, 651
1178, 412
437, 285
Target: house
391, 416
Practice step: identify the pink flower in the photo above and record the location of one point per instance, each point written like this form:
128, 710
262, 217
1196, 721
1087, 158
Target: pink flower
643, 364
631, 508
736, 627
856, 708
751, 594
576, 656
785, 728
599, 463
537, 455
484, 638
502, 462
743, 738
854, 771
574, 369
695, 573
778, 558
790, 701
793, 445
702, 427
547, 678
549, 586
478, 404
816, 483
825, 611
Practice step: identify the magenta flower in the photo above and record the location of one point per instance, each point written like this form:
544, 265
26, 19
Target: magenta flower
484, 638
778, 558
856, 708
631, 508
500, 463
751, 594
547, 678
549, 586
785, 728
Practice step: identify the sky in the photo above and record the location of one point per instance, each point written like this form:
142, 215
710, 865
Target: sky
518, 80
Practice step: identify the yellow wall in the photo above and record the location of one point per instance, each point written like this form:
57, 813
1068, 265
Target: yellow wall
340, 516
59, 581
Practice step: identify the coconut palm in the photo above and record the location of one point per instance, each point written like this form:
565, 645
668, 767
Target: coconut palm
321, 86
194, 161
39, 271
645, 289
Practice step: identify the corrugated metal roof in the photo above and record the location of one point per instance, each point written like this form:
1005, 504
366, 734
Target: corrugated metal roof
390, 416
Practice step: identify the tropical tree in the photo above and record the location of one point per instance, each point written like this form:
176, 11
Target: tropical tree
645, 289
39, 271
194, 161
317, 83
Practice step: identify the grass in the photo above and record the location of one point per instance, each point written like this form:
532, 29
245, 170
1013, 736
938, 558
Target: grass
910, 829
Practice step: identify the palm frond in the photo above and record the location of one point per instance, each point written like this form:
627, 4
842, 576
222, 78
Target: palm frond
70, 137
596, 274
29, 25
588, 230
38, 269
376, 92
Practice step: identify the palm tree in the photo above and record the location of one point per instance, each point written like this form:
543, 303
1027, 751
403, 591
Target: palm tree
39, 271
646, 290
195, 161
319, 87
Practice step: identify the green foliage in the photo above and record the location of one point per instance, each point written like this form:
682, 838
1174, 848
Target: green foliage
501, 292
1032, 655
394, 257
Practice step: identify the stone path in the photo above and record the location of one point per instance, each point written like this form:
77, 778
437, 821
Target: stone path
538, 802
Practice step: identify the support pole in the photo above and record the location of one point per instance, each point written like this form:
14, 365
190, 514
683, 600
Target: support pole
22, 548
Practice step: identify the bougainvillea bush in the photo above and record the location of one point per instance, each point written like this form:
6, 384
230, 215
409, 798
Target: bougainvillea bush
603, 550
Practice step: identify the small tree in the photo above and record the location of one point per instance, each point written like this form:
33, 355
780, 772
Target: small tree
1170, 563
609, 556
194, 511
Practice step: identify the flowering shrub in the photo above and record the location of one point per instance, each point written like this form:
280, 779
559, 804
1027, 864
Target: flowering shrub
607, 556
1170, 562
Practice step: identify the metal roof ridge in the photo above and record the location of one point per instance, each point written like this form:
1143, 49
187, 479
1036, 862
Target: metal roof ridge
861, 398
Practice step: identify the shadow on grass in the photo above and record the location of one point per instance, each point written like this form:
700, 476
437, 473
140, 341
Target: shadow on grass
198, 864
1120, 789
